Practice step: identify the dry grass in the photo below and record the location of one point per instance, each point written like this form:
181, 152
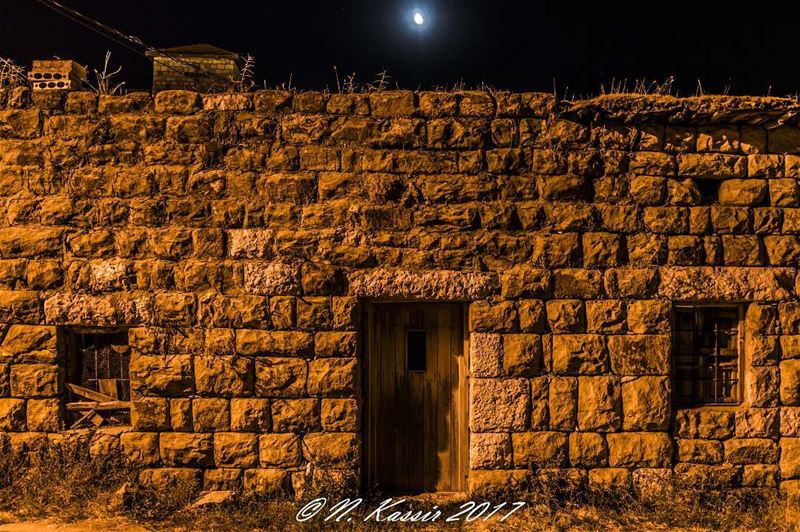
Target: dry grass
48, 478
69, 483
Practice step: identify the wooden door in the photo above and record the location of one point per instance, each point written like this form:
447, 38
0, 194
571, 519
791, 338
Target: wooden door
416, 389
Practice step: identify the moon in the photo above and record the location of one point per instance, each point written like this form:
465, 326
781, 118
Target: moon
418, 17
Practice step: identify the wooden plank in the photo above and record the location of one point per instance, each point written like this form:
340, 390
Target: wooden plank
415, 439
386, 417
99, 406
81, 419
401, 402
89, 394
432, 407
372, 391
109, 387
460, 339
443, 419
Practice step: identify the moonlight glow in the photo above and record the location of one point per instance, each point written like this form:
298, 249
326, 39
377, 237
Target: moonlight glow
419, 18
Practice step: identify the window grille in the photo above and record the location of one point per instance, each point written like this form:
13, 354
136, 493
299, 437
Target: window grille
707, 355
98, 380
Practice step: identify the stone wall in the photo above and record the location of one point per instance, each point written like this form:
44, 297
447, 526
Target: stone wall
238, 236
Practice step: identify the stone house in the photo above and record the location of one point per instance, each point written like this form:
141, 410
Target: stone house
199, 67
405, 291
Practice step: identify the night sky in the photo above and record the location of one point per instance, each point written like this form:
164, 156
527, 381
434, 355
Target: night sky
525, 45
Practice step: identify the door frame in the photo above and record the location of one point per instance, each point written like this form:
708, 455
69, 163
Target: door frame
461, 407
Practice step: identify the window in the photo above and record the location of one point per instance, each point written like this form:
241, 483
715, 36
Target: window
415, 350
707, 355
98, 383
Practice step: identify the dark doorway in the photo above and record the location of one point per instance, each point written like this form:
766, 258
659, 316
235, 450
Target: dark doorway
416, 430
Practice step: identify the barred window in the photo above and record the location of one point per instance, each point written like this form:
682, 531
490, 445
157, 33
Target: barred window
98, 383
707, 355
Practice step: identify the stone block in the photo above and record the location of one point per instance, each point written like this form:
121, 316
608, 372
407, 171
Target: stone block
790, 421
760, 476
790, 382
757, 423
44, 415
250, 415
180, 414
29, 343
703, 476
631, 283
606, 317
150, 414
606, 479
280, 450
326, 449
295, 415
563, 403
170, 478
274, 343
541, 449
522, 355
223, 376
566, 316
429, 284
340, 415
336, 344
211, 414
700, 451
235, 449
579, 354
571, 283
742, 192
280, 377
265, 482
181, 449
12, 415
486, 354
639, 449
790, 458
333, 376
222, 479
649, 316
587, 449
639, 354
762, 388
141, 448
487, 317
34, 380
599, 407
751, 451
645, 403
725, 284
499, 404
164, 375
490, 451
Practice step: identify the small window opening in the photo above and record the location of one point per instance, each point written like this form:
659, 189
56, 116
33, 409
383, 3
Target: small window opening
415, 350
98, 380
709, 190
707, 355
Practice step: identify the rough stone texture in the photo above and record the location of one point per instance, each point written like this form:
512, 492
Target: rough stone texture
238, 238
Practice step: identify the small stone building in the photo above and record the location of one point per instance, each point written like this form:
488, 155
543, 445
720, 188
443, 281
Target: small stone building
404, 291
197, 67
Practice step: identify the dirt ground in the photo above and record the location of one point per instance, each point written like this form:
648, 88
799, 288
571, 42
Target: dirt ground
528, 519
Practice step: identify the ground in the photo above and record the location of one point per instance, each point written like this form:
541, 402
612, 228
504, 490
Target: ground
538, 519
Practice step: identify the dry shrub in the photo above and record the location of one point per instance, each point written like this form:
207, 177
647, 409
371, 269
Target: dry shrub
158, 504
69, 482
561, 502
63, 479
